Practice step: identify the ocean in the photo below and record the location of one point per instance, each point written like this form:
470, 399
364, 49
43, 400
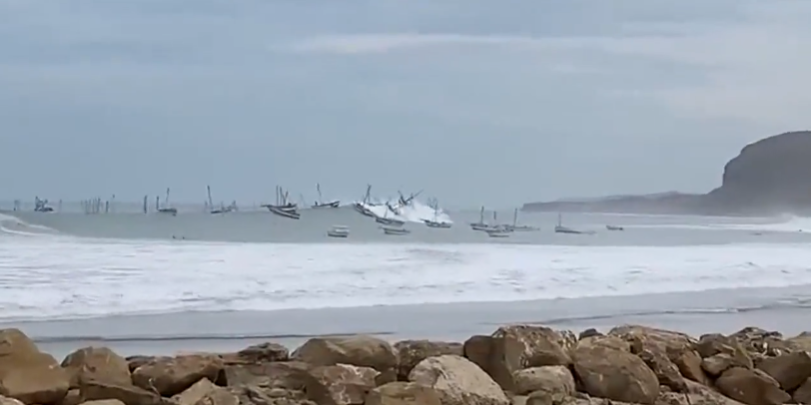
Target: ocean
158, 284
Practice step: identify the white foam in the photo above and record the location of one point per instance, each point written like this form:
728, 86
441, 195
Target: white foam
58, 278
14, 226
784, 223
414, 212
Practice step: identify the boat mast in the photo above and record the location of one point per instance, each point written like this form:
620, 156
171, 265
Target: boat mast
210, 202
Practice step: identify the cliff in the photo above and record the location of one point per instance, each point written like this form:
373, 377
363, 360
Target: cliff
772, 175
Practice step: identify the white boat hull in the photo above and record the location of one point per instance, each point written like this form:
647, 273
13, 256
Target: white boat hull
284, 212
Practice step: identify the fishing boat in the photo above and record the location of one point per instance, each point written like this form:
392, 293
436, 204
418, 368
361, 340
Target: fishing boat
559, 228
395, 231
435, 222
320, 203
385, 220
362, 207
498, 233
338, 231
222, 208
614, 228
42, 205
166, 209
283, 207
520, 228
481, 225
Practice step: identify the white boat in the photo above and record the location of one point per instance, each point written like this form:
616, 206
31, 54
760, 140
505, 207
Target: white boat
321, 203
497, 233
362, 206
283, 207
395, 231
481, 225
614, 228
520, 228
292, 214
559, 228
166, 209
338, 231
385, 220
222, 209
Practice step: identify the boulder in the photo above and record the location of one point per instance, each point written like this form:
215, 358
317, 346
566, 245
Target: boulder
411, 352
521, 346
360, 350
9, 401
204, 392
802, 395
612, 342
27, 374
96, 363
665, 352
552, 379
340, 384
615, 374
751, 387
458, 381
716, 364
789, 370
103, 402
478, 349
290, 375
92, 390
760, 341
173, 375
264, 352
403, 393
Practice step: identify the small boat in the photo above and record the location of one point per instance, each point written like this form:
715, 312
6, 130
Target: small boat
498, 233
435, 223
338, 231
395, 231
481, 225
222, 209
614, 228
385, 220
292, 214
362, 206
283, 207
559, 228
166, 209
321, 204
521, 228
42, 205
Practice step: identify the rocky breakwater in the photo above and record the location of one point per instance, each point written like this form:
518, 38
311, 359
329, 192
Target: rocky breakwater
518, 364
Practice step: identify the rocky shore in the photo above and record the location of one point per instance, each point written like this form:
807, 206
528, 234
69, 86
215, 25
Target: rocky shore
517, 364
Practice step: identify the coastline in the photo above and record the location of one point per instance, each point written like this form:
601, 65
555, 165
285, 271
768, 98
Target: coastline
695, 313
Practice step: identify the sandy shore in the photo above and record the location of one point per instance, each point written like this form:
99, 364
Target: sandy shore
695, 313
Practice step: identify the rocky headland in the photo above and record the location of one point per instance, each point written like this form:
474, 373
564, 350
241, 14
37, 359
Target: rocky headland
770, 176
517, 364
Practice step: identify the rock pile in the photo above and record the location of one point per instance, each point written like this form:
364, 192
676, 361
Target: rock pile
518, 364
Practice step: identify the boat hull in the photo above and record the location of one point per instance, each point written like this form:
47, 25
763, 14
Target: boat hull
331, 204
396, 231
435, 224
389, 221
284, 212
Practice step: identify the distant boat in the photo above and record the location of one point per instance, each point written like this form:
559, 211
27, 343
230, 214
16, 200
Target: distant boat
166, 209
362, 206
481, 225
559, 228
338, 231
320, 202
614, 228
222, 209
436, 223
41, 205
385, 220
283, 208
496, 233
516, 227
395, 231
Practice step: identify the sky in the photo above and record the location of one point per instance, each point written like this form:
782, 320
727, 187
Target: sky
477, 102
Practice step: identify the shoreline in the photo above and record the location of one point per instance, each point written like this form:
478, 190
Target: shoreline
696, 313
512, 364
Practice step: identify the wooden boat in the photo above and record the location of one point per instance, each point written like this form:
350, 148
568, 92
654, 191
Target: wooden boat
435, 223
395, 231
222, 209
385, 220
481, 225
520, 228
283, 207
338, 231
362, 206
559, 228
614, 228
166, 209
320, 203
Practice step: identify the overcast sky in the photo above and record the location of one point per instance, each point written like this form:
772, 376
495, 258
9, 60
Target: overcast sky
478, 102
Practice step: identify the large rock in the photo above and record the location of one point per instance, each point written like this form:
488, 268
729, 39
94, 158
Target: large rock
552, 379
403, 393
27, 374
340, 384
171, 376
96, 363
92, 390
751, 387
290, 375
360, 350
411, 352
204, 392
789, 370
802, 395
518, 347
669, 354
614, 374
263, 352
458, 381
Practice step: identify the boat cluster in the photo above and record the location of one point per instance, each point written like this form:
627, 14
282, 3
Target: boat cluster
392, 225
496, 230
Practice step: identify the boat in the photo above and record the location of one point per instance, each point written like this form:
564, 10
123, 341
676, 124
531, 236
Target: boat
395, 231
222, 209
481, 225
338, 231
559, 228
385, 220
498, 233
362, 206
516, 227
166, 209
320, 202
435, 223
405, 202
42, 205
283, 208
614, 228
